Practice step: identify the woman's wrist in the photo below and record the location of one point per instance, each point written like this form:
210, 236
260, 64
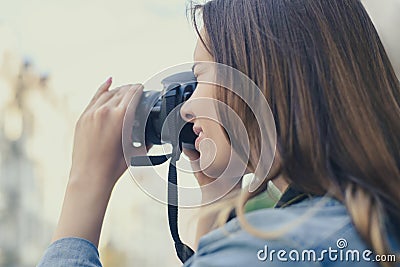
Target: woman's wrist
83, 210
94, 184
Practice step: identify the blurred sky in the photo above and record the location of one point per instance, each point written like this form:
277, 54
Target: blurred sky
82, 42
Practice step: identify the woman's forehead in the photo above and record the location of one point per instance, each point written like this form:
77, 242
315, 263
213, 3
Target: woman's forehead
200, 52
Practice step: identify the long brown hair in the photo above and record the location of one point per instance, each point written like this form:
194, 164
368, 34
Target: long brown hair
333, 93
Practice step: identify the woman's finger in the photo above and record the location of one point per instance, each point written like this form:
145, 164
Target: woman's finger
133, 95
103, 88
105, 98
121, 93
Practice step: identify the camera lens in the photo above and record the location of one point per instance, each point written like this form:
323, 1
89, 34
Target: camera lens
155, 106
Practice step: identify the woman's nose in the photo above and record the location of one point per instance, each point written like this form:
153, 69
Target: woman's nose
186, 111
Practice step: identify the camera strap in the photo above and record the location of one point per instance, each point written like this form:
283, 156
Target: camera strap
183, 251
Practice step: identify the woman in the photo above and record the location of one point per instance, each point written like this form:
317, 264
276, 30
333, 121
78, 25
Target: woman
336, 104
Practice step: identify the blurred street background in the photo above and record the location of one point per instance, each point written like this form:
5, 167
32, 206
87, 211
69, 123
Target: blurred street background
53, 56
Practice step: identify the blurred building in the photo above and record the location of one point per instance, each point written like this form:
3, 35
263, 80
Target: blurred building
36, 131
22, 231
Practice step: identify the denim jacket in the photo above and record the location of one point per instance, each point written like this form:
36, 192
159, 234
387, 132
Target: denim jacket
316, 231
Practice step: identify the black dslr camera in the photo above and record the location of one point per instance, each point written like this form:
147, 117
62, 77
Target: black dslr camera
154, 113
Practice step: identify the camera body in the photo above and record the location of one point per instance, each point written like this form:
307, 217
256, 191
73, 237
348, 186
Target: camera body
155, 124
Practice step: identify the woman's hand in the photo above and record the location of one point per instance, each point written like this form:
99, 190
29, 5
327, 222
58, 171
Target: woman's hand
97, 162
98, 159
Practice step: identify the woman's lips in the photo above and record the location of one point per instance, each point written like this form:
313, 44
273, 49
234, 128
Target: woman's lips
197, 129
199, 132
198, 140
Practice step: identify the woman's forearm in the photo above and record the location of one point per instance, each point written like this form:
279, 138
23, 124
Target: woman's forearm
83, 211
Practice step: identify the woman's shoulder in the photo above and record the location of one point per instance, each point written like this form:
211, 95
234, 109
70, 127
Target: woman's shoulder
308, 227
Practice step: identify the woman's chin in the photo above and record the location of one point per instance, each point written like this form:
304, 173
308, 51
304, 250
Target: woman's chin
212, 167
207, 164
